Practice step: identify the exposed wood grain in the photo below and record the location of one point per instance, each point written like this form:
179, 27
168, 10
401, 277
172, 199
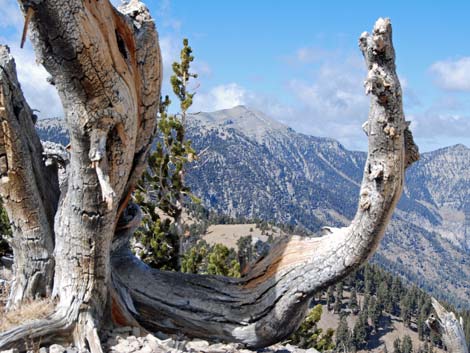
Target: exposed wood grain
267, 304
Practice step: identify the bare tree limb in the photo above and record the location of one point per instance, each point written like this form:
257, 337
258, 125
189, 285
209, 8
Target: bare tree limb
269, 303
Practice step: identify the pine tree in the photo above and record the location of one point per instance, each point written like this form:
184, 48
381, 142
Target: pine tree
407, 345
343, 335
397, 346
5, 232
421, 325
338, 298
384, 298
222, 261
360, 332
366, 302
194, 260
330, 298
309, 335
339, 290
325, 342
162, 191
352, 303
337, 306
406, 309
246, 252
375, 313
395, 294
368, 280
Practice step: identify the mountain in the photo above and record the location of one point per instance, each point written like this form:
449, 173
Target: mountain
256, 167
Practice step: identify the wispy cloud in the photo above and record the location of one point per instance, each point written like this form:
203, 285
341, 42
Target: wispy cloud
442, 123
331, 101
453, 75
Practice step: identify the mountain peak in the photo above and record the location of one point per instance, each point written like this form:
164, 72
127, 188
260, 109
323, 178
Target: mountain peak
250, 122
459, 147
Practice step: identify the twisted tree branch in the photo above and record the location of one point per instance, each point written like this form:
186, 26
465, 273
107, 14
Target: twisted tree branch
270, 301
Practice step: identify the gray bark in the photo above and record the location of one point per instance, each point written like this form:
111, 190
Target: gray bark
106, 66
28, 189
449, 328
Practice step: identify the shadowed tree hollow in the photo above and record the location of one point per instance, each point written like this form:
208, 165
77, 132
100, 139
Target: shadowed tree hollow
71, 212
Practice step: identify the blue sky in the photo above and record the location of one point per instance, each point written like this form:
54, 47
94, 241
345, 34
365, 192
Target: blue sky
298, 61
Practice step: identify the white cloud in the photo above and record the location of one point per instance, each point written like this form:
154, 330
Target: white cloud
221, 97
166, 19
445, 122
434, 130
453, 75
39, 93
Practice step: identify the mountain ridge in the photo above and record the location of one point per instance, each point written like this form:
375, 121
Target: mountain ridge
256, 167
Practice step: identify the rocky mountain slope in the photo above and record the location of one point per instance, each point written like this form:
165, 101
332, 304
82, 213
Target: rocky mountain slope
256, 167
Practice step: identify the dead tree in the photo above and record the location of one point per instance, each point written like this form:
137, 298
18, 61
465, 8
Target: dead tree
72, 239
446, 325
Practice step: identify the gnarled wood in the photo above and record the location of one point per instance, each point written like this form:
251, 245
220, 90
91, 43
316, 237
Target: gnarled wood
28, 189
106, 66
270, 302
448, 328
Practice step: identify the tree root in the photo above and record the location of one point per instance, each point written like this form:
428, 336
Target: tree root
47, 331
60, 327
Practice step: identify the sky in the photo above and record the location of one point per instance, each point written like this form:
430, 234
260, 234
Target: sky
298, 62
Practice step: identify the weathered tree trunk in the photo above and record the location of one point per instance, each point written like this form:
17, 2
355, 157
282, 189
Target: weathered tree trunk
28, 189
449, 328
106, 66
